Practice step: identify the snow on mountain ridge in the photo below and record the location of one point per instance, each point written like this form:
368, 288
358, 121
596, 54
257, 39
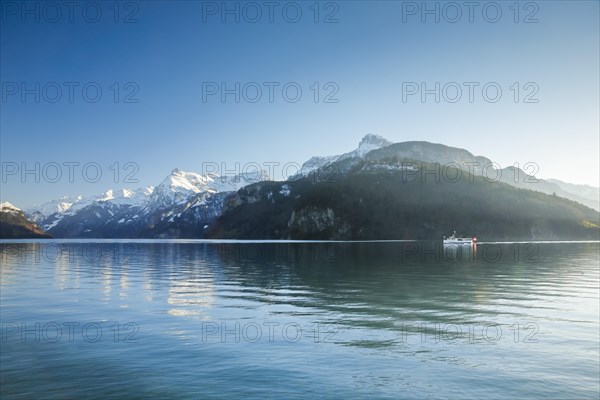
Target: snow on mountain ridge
229, 183
184, 181
69, 205
8, 207
60, 206
179, 186
368, 143
177, 189
194, 182
127, 196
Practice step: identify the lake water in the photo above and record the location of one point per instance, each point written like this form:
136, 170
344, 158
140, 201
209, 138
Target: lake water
397, 320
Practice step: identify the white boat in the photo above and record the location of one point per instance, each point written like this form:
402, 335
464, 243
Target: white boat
453, 239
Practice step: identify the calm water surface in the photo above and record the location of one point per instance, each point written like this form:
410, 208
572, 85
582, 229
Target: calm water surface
299, 320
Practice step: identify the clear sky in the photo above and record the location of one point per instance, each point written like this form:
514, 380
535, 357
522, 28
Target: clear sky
167, 51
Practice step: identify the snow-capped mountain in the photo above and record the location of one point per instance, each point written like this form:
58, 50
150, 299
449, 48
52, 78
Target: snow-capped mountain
179, 186
180, 203
129, 197
42, 211
71, 204
50, 214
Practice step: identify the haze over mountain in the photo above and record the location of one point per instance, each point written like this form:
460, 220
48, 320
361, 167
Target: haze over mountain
409, 190
190, 205
399, 199
586, 192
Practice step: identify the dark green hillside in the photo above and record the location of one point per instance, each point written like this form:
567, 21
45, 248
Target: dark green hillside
377, 200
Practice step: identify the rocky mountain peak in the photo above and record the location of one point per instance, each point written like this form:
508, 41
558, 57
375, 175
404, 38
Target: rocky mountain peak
375, 140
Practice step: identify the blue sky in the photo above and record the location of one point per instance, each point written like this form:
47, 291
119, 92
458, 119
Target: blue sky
170, 48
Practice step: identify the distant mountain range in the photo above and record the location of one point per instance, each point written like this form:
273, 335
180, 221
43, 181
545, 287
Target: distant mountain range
585, 194
378, 175
182, 205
